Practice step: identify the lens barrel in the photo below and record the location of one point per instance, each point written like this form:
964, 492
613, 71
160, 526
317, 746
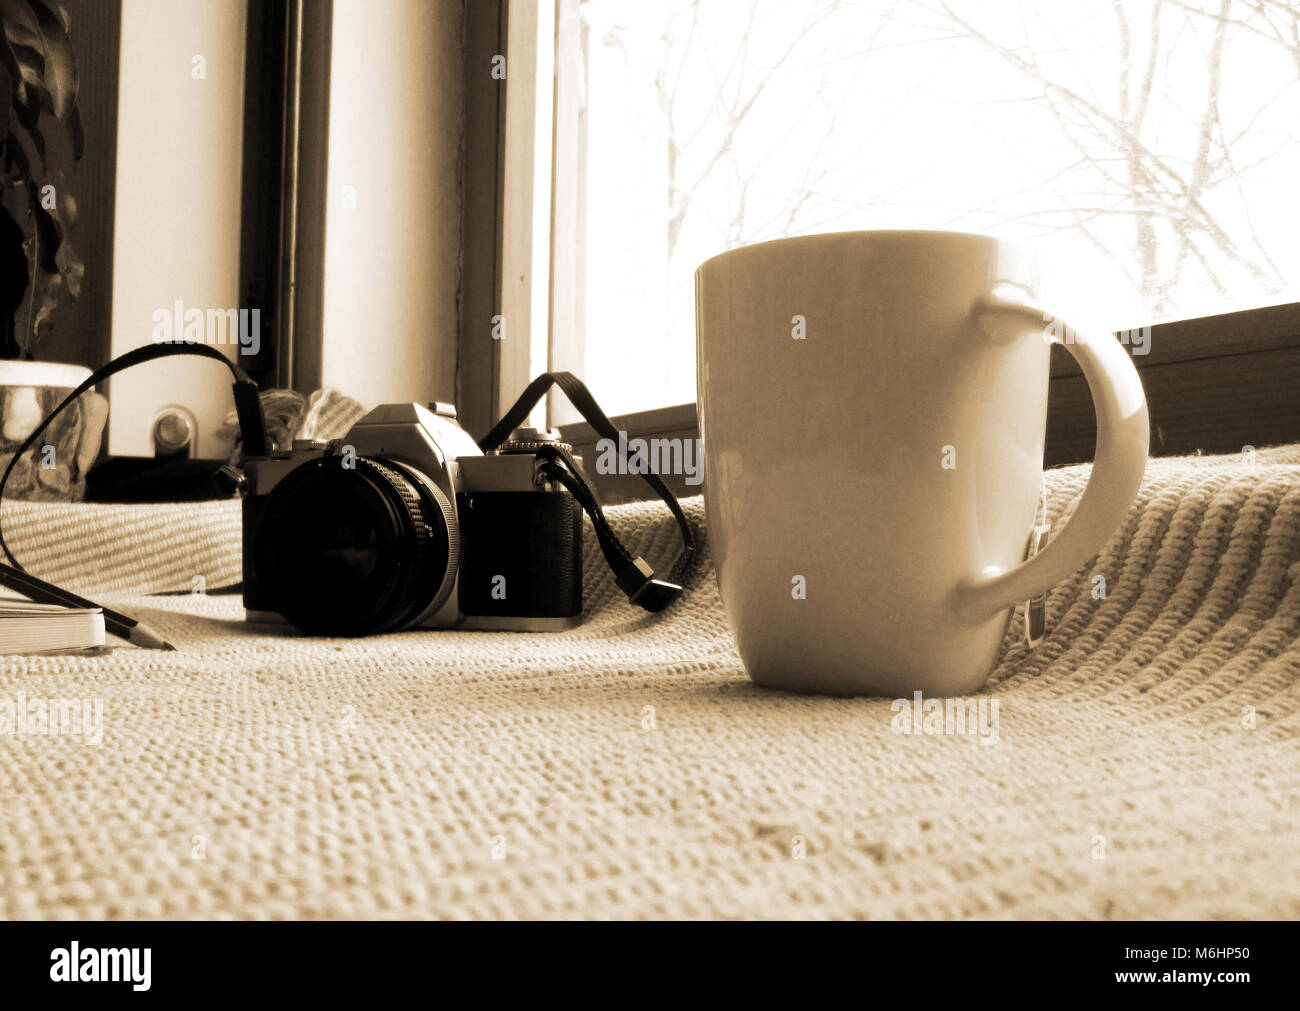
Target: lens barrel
355, 550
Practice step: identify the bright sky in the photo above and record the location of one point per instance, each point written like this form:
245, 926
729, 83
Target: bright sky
859, 120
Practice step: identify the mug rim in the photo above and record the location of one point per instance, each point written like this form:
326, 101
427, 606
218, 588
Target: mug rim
949, 234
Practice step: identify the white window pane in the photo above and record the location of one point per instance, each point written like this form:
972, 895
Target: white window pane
1150, 149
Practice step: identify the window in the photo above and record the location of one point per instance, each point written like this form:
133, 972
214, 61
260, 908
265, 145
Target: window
1149, 148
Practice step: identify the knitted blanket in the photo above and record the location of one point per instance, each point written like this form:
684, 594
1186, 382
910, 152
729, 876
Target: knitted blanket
1144, 760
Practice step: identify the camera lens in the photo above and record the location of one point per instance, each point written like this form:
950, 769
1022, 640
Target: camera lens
354, 550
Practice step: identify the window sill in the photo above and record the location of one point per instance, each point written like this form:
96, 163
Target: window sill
1214, 384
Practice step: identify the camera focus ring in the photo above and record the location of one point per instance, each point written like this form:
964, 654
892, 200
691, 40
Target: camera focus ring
438, 520
420, 533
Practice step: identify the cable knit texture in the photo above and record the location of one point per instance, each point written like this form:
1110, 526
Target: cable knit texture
1147, 761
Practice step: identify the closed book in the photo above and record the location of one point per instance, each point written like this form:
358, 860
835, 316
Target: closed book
29, 627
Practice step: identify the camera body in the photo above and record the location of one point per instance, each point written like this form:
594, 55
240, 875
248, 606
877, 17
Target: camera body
405, 523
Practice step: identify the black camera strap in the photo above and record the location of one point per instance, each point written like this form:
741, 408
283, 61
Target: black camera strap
248, 405
634, 575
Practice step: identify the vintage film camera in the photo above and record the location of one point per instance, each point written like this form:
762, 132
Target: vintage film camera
406, 522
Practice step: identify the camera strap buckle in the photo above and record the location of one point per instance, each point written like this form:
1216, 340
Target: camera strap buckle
643, 589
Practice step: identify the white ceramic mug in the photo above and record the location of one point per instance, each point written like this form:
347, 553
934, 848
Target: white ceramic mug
873, 408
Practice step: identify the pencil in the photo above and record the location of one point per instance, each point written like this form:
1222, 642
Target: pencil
118, 624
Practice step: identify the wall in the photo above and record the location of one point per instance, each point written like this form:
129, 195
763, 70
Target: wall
392, 232
176, 232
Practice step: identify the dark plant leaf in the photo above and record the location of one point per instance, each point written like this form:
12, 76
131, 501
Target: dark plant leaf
38, 72
17, 90
13, 266
17, 164
46, 301
24, 57
16, 305
28, 84
21, 151
28, 130
60, 64
72, 269
20, 24
48, 227
43, 299
31, 60
6, 89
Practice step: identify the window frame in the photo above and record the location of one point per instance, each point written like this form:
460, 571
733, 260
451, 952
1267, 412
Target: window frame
504, 324
1214, 384
286, 149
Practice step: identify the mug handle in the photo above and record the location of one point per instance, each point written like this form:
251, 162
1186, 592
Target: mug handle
1123, 439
